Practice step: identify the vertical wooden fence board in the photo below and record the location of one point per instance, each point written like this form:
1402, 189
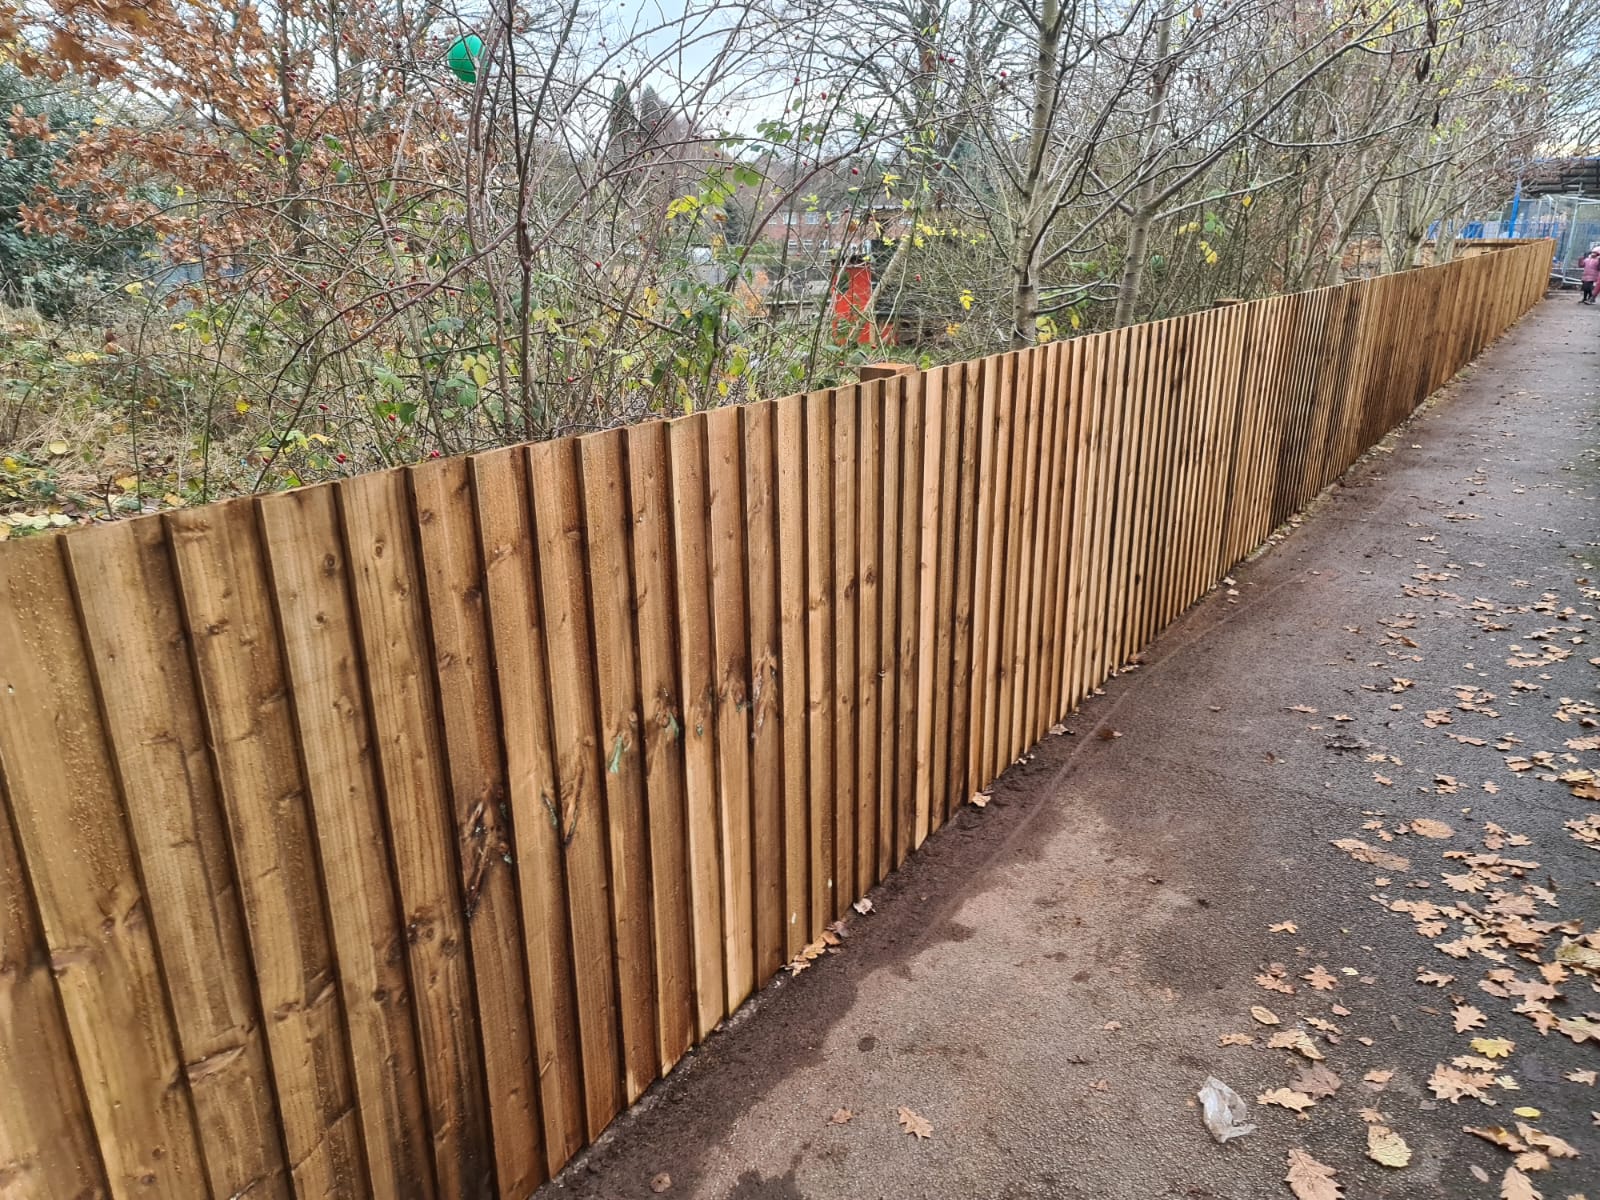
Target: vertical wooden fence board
452, 571
47, 1143
64, 802
949, 479
690, 529
889, 585
927, 542
1069, 368
908, 654
766, 711
869, 659
961, 667
1091, 354
516, 629
1151, 464
311, 580
792, 659
607, 524
730, 640
1108, 445
138, 656
997, 485
391, 629
1012, 585
846, 477
819, 653
982, 586
556, 491
655, 616
244, 698
1025, 503
1130, 414
1038, 653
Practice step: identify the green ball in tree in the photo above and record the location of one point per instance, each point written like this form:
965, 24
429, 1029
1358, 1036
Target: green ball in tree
463, 57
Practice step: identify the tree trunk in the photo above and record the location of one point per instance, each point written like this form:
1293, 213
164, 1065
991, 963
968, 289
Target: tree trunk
1143, 207
1029, 232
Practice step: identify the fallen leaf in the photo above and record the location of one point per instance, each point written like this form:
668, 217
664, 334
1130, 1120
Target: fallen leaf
914, 1125
1319, 978
1295, 1039
1316, 1080
1371, 1116
1283, 927
862, 906
1386, 1147
1377, 1080
1361, 852
1497, 1135
1303, 708
1517, 1186
1467, 1017
1236, 1039
1286, 1098
1478, 1173
1433, 977
841, 1116
1265, 1015
1452, 1083
661, 1183
1429, 828
1310, 1180
1112, 1026
1587, 1077
1532, 1160
1493, 1047
1527, 1111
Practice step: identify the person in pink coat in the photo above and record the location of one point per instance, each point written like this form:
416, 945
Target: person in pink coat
1591, 273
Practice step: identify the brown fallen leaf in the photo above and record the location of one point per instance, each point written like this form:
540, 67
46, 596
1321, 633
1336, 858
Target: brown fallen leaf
1361, 852
1316, 1080
661, 1183
1310, 1180
1112, 1026
1467, 1017
1433, 977
1320, 978
1303, 708
1286, 1098
1283, 927
1478, 1173
1371, 1116
1517, 1186
1532, 1160
1236, 1039
1557, 1147
841, 1116
1429, 828
1494, 1047
1297, 1040
1587, 1077
1386, 1147
1264, 1015
914, 1125
1497, 1135
1377, 1080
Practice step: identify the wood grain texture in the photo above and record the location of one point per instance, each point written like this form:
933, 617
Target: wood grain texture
311, 580
516, 637
245, 704
392, 622
846, 581
819, 655
556, 490
480, 812
655, 616
603, 458
140, 660
869, 658
64, 807
793, 619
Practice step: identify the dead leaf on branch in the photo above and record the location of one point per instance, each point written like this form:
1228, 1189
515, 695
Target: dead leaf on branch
914, 1125
1310, 1180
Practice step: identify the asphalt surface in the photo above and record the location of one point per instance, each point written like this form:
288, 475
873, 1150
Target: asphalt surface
1046, 983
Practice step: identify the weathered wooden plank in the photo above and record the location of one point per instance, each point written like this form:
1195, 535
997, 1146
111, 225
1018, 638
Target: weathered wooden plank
912, 450
985, 559
730, 640
846, 477
766, 711
1030, 399
311, 578
1046, 542
556, 490
655, 614
869, 684
64, 807
463, 670
392, 638
516, 635
944, 601
244, 695
1069, 368
993, 568
606, 518
792, 659
139, 657
889, 585
819, 653
927, 545
697, 687
47, 1143
1013, 586
961, 662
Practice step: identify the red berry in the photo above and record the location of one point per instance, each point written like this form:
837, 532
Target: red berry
433, 454
391, 416
855, 170
338, 458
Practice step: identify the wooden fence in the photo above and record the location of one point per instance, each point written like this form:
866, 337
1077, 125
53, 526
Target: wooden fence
389, 837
